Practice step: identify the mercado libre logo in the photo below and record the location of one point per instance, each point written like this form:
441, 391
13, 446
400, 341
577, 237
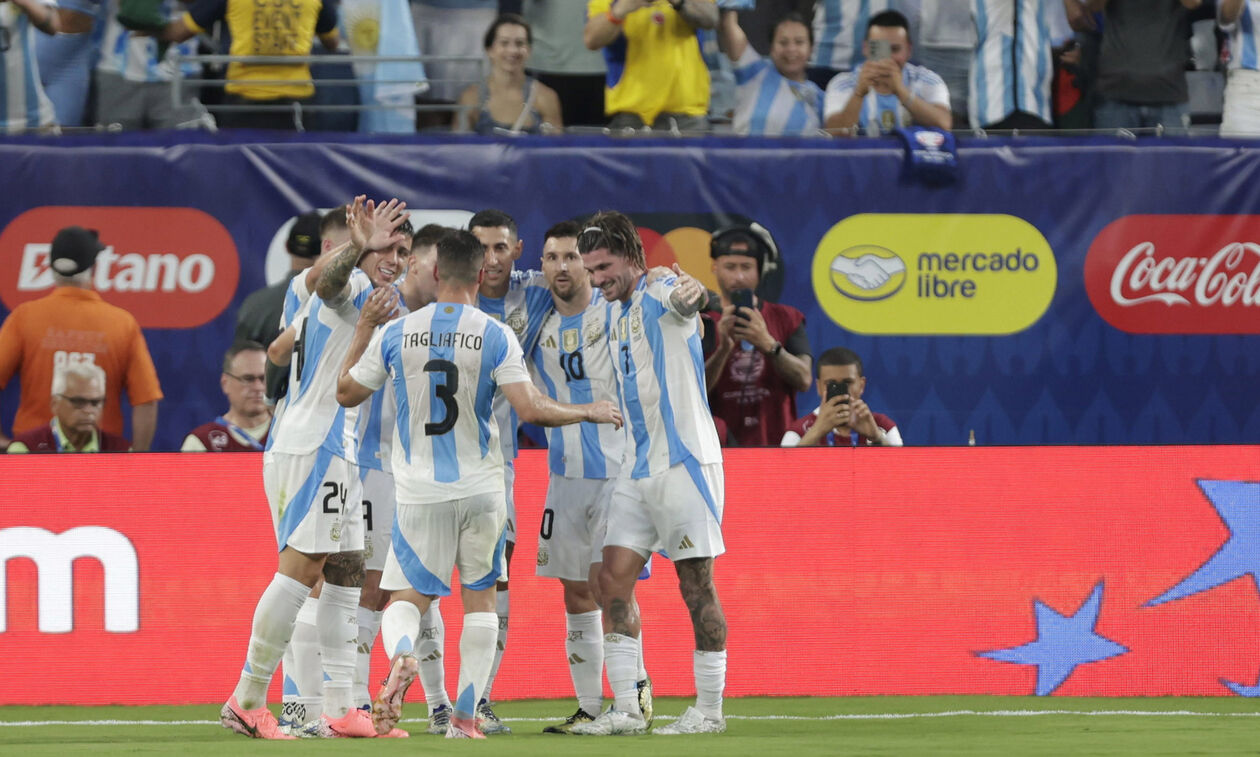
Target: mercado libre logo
1177, 274
171, 268
877, 273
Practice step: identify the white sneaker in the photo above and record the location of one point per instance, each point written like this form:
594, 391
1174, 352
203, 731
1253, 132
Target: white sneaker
611, 723
692, 721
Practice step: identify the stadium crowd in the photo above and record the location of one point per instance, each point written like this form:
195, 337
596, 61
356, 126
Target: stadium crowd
760, 67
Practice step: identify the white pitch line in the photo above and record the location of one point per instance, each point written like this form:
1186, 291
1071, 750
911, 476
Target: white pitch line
819, 718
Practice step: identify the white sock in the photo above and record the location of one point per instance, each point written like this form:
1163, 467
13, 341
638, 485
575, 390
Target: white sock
642, 667
274, 617
584, 646
621, 659
710, 671
400, 625
369, 623
476, 654
432, 663
303, 673
501, 610
338, 637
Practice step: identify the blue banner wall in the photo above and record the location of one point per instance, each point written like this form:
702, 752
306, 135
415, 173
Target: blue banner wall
1133, 319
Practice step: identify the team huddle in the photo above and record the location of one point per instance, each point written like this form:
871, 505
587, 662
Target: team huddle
407, 361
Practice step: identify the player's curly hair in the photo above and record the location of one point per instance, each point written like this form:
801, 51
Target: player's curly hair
616, 232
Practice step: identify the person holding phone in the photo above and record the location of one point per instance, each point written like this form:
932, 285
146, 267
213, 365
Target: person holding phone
843, 419
756, 352
887, 91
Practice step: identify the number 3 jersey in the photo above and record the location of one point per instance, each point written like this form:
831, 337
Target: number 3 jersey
444, 363
311, 418
572, 364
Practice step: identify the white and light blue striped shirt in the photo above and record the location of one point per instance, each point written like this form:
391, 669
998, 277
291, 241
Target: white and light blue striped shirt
840, 29
572, 364
312, 419
23, 104
881, 114
767, 102
444, 363
376, 424
523, 308
135, 57
1011, 68
660, 367
1244, 36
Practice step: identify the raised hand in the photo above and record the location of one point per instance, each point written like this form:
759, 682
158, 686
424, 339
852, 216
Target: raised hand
375, 227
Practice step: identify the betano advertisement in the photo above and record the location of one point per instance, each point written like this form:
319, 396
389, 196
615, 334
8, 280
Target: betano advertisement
1109, 571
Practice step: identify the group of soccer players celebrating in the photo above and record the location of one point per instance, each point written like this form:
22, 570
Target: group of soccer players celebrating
411, 359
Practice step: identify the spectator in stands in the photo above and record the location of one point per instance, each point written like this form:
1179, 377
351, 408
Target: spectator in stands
562, 62
1009, 85
843, 419
759, 21
1240, 19
25, 106
450, 29
258, 320
262, 27
773, 96
133, 84
887, 91
758, 358
243, 428
656, 75
839, 27
66, 58
73, 324
947, 37
508, 100
1142, 65
78, 391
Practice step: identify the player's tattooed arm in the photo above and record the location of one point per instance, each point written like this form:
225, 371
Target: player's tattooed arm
689, 295
372, 227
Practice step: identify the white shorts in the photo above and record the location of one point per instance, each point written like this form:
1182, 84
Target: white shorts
429, 540
574, 520
678, 514
315, 502
509, 483
378, 515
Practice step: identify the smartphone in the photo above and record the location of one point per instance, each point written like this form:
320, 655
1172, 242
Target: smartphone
838, 389
880, 49
742, 298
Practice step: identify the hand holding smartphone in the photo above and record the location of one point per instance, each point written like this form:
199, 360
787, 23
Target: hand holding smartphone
881, 49
742, 298
838, 389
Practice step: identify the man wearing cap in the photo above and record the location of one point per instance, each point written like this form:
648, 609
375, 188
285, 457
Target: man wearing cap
258, 320
243, 428
78, 391
758, 357
73, 324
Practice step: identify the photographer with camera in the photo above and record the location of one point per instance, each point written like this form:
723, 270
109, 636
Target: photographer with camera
843, 419
887, 91
757, 358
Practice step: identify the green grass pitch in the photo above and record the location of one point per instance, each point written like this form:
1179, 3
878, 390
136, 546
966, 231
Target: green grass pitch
755, 726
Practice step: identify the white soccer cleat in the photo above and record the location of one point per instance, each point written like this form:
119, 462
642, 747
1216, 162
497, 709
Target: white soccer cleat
645, 699
692, 721
612, 723
489, 723
439, 719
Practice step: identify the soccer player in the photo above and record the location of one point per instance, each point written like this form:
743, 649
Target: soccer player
310, 481
444, 363
572, 363
669, 495
521, 300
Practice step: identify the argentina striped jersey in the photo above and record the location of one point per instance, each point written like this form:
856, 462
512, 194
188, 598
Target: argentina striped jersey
1243, 37
1011, 68
375, 431
881, 114
23, 104
840, 29
522, 309
767, 102
444, 364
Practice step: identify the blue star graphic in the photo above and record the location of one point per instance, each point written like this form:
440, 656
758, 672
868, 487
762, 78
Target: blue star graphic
1238, 504
1062, 643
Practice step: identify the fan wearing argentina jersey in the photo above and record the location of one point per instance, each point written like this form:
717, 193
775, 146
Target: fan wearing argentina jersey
23, 104
1240, 19
376, 434
773, 95
521, 300
888, 91
444, 363
1012, 67
572, 363
310, 480
669, 494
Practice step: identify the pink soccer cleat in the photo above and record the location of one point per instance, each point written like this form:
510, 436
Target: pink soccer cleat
355, 724
387, 707
256, 724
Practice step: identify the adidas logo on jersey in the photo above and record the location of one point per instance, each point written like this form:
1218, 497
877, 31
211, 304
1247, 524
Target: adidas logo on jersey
433, 656
686, 543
